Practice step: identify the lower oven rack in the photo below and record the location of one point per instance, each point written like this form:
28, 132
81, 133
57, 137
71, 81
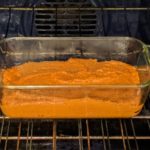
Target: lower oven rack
72, 134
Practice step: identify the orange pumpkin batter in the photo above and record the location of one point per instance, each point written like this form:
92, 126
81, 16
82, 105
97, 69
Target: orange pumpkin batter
71, 102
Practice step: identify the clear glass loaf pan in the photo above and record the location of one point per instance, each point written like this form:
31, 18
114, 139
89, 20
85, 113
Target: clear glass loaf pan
130, 98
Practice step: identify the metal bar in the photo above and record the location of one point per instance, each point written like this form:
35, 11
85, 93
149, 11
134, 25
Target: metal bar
27, 137
148, 123
122, 133
64, 25
50, 15
54, 134
75, 138
108, 137
2, 127
134, 134
102, 129
76, 8
31, 135
126, 132
133, 118
68, 19
19, 133
6, 140
141, 117
88, 134
52, 30
80, 137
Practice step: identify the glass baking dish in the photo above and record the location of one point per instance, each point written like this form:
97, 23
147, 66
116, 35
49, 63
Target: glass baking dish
72, 101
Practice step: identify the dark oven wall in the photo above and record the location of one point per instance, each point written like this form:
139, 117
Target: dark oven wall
75, 22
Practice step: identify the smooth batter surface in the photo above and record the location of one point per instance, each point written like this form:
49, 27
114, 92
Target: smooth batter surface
71, 102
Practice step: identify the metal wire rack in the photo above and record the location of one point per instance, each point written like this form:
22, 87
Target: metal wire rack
91, 134
55, 20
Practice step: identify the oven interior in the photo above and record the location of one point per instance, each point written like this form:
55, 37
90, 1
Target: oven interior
67, 18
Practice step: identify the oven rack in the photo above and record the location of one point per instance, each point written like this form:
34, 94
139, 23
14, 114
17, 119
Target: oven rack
75, 8
84, 24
